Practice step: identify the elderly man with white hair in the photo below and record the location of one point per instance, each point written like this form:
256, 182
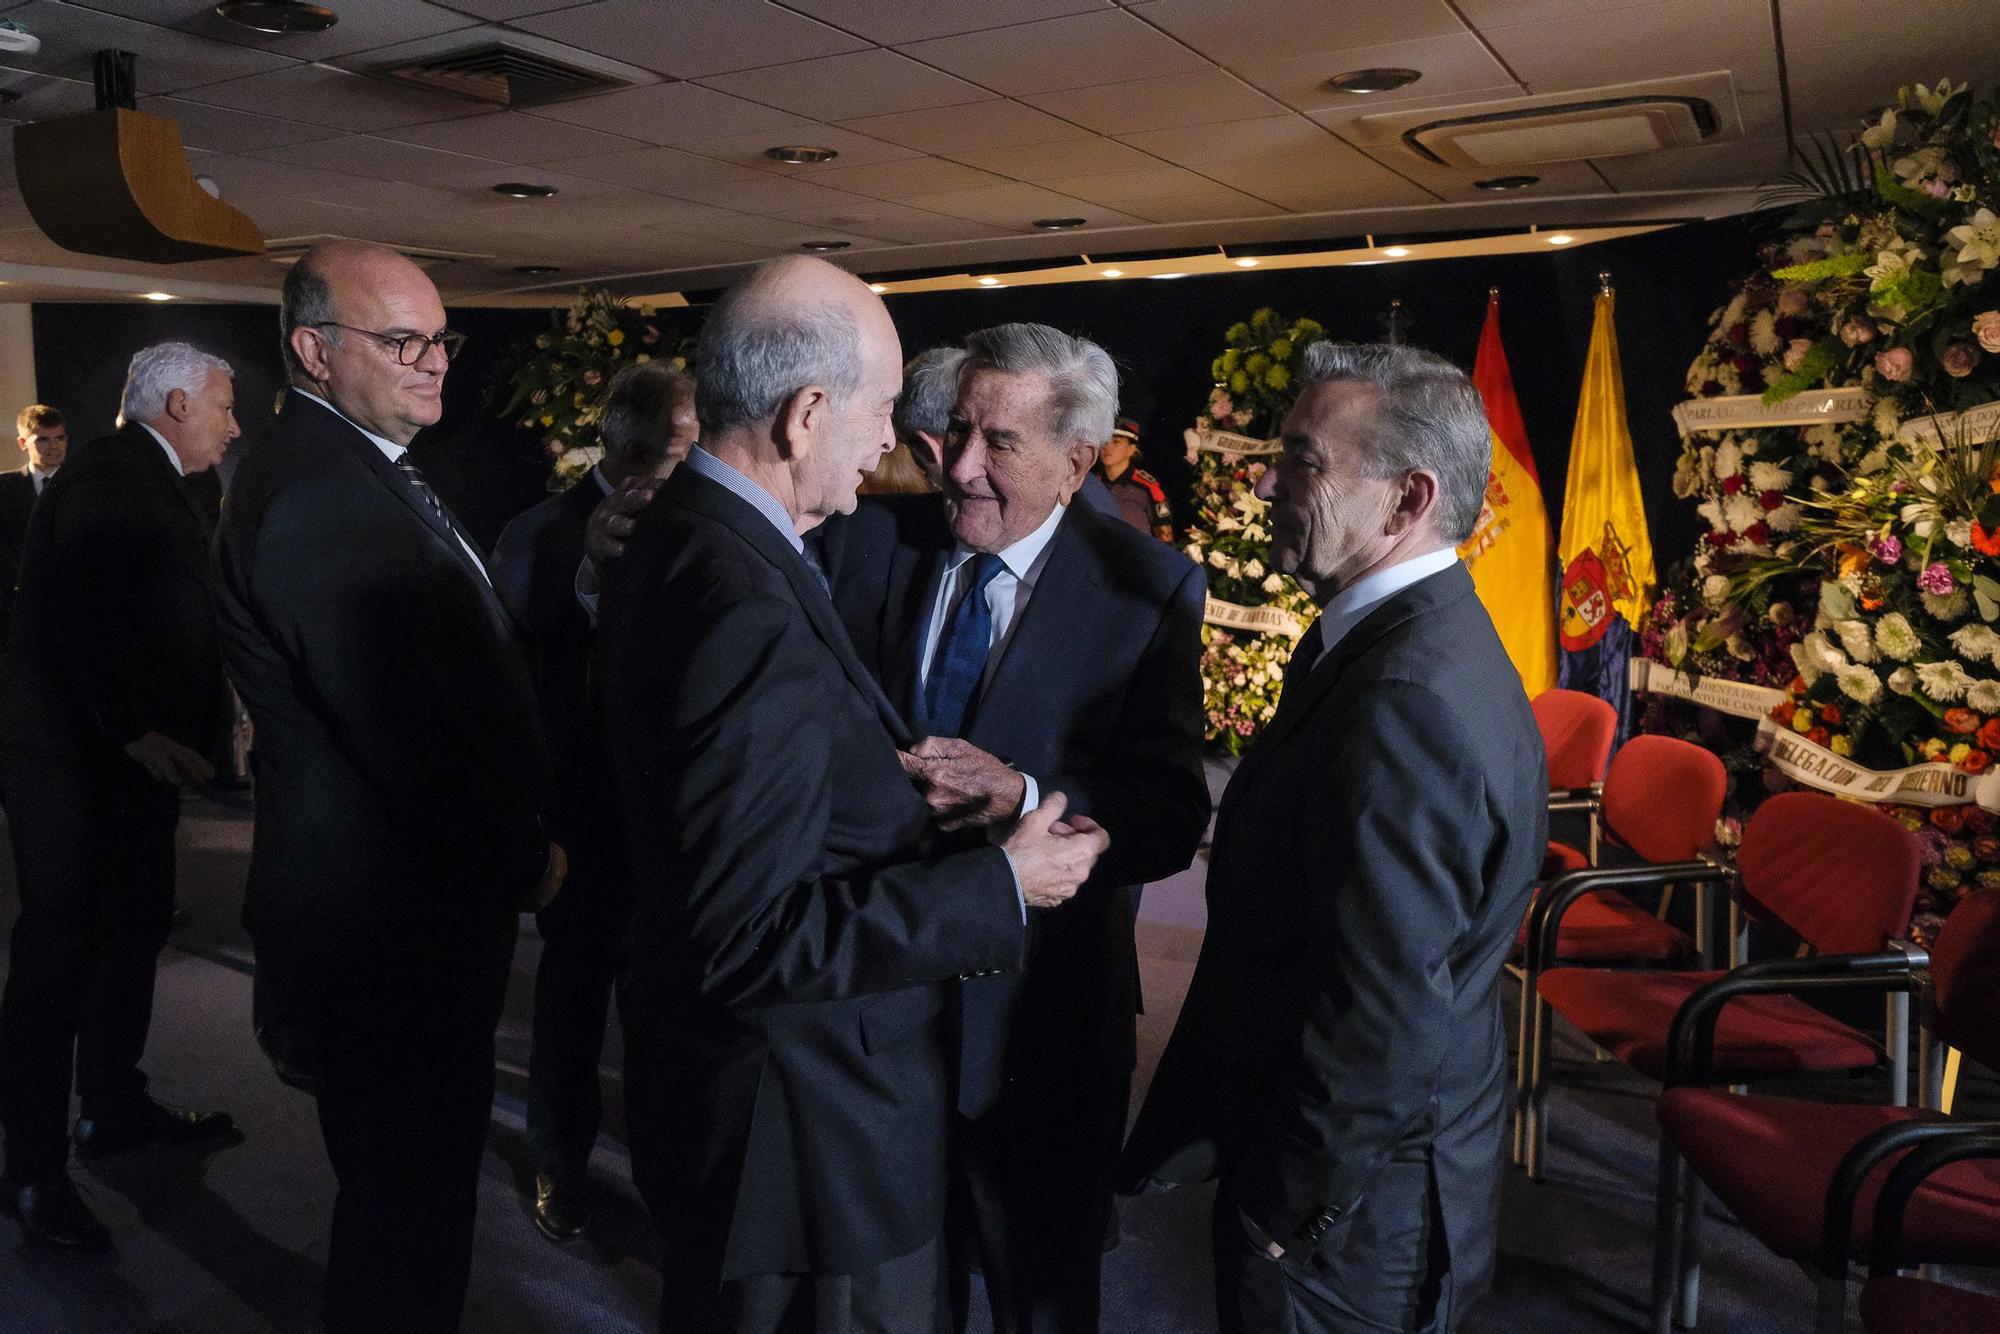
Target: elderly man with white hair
112, 699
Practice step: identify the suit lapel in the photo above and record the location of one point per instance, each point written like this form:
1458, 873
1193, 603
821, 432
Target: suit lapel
713, 500
399, 486
913, 583
1044, 628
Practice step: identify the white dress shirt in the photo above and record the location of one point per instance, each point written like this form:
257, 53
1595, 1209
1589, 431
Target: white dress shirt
1351, 605
41, 479
1007, 597
391, 451
172, 457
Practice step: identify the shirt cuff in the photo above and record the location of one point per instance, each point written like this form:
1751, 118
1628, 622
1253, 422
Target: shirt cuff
1031, 795
586, 589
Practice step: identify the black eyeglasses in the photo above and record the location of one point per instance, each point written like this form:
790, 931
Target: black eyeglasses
410, 348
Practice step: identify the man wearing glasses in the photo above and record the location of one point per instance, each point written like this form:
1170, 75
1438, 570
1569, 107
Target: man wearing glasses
399, 770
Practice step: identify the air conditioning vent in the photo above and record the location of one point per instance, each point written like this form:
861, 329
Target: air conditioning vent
502, 75
1611, 127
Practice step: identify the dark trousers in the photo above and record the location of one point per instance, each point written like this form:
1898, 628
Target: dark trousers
1385, 1268
582, 933
94, 858
898, 1296
403, 1109
1031, 1202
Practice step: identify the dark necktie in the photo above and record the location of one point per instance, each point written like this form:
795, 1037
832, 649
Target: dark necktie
960, 659
809, 553
408, 466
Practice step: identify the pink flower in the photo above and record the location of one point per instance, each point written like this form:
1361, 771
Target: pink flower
1895, 364
1935, 187
1986, 328
1856, 332
1959, 359
592, 377
1795, 351
1936, 580
1886, 549
1792, 301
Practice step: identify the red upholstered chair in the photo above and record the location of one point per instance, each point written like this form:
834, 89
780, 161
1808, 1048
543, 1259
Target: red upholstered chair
1893, 1304
1577, 732
1661, 800
1807, 1178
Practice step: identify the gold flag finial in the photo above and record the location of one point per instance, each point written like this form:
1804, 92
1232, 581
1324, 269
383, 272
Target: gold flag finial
1604, 281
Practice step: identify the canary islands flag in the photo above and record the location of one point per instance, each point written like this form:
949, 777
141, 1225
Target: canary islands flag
1605, 550
1509, 551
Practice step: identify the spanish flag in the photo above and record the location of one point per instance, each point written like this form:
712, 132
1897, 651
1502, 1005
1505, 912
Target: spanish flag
1605, 550
1509, 550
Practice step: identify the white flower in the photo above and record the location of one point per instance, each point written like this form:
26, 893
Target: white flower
1714, 589
1218, 560
1984, 696
1885, 420
1728, 459
1896, 638
1951, 608
1227, 523
1764, 338
1711, 514
1829, 658
1194, 552
1902, 680
1255, 532
1861, 685
1876, 459
1273, 584
1741, 511
1676, 644
1808, 665
1883, 132
1769, 477
1784, 518
1253, 569
1933, 100
1978, 243
1855, 638
1944, 682
1976, 642
1733, 312
1958, 532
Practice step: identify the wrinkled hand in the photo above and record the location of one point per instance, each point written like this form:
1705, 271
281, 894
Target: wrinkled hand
168, 761
610, 524
551, 884
1052, 857
964, 786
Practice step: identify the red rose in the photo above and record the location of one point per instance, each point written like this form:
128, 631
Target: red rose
1770, 500
1962, 721
1758, 533
1732, 484
1783, 713
1739, 332
1989, 734
1819, 736
1986, 848
1746, 364
1949, 818
1975, 761
1830, 714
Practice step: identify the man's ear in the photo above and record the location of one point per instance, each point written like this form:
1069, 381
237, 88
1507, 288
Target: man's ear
309, 347
802, 418
1415, 502
1082, 454
179, 403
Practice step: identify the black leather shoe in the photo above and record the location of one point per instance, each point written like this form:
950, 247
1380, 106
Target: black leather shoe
559, 1209
51, 1213
148, 1123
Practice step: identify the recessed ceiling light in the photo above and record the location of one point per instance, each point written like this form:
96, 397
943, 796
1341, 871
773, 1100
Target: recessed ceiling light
1114, 273
1246, 263
801, 155
1373, 80
1561, 238
823, 247
1508, 182
1362, 263
1166, 275
877, 288
536, 270
523, 190
1395, 251
277, 16
158, 296
1058, 224
989, 282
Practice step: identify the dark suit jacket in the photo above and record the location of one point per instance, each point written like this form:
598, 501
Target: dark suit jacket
17, 502
1340, 1054
1098, 695
399, 763
114, 629
791, 930
534, 569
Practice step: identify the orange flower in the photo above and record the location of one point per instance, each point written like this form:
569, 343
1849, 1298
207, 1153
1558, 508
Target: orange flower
1783, 713
1819, 736
1989, 734
1797, 687
1962, 721
1853, 559
1975, 762
1830, 714
1949, 818
1985, 543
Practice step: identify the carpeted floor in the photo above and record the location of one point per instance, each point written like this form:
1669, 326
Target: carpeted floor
232, 1241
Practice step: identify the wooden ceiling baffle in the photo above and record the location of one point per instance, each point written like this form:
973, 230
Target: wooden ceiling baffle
116, 182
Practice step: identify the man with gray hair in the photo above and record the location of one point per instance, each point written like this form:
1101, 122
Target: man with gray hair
1339, 1062
796, 920
1035, 643
648, 426
923, 409
112, 699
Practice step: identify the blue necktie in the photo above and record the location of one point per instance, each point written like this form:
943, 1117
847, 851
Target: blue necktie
960, 659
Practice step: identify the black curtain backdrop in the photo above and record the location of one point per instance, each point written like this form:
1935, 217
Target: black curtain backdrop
1163, 335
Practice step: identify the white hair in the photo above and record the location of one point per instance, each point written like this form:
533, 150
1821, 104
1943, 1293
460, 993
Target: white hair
1083, 382
157, 371
756, 351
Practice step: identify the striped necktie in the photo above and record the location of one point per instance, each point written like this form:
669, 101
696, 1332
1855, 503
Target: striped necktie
408, 466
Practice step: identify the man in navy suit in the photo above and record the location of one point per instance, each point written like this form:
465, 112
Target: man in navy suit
796, 920
647, 428
1082, 674
43, 436
1338, 1064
